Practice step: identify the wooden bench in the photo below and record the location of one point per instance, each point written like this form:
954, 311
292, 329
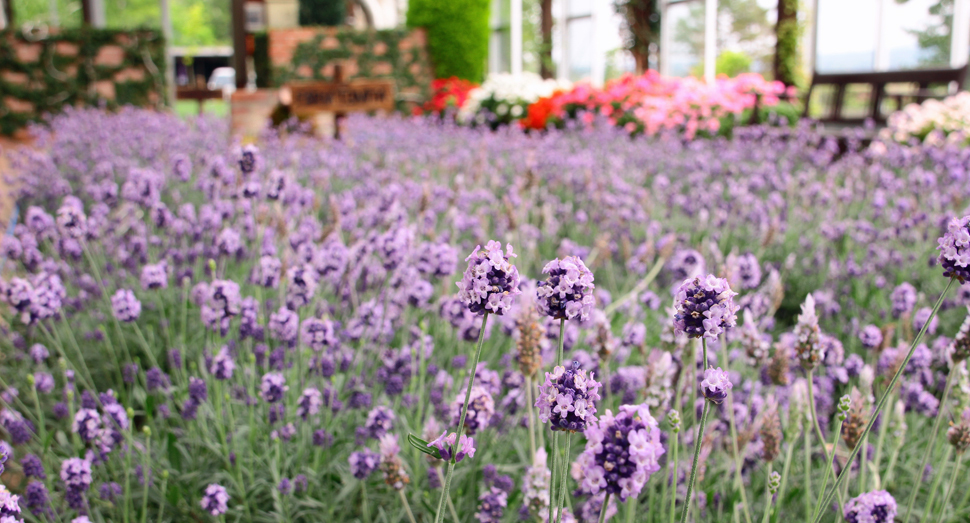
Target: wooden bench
877, 82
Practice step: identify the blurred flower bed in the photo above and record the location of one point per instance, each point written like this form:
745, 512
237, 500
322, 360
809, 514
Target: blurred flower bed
196, 329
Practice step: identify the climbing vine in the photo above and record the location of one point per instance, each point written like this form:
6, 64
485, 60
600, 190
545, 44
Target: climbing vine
41, 71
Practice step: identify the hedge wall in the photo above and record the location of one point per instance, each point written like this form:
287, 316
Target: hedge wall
309, 53
84, 66
457, 35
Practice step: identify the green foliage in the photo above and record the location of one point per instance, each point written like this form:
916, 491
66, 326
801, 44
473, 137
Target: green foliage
409, 68
457, 35
788, 33
936, 38
264, 76
194, 25
49, 88
748, 26
322, 12
194, 22
732, 63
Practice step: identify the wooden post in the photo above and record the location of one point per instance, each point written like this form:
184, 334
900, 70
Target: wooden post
87, 13
545, 53
338, 78
239, 42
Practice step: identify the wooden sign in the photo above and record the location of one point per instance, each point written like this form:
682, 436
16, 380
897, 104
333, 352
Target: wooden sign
340, 97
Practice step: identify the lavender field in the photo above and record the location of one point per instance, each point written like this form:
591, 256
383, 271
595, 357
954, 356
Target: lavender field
433, 323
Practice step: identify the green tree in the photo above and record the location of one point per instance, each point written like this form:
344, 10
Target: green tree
457, 35
936, 37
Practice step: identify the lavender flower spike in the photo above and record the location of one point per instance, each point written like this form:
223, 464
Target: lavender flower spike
568, 399
490, 281
808, 345
568, 291
622, 452
125, 305
871, 507
704, 307
954, 249
215, 500
446, 446
715, 385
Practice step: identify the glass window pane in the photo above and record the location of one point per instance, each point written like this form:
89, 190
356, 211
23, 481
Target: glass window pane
580, 7
847, 35
580, 51
915, 37
687, 42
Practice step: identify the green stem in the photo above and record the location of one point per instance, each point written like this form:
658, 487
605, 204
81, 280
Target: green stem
949, 490
161, 503
564, 465
704, 344
768, 497
532, 420
146, 463
863, 464
693, 468
828, 464
606, 503
808, 471
439, 515
673, 493
738, 481
407, 506
932, 444
811, 405
936, 482
885, 395
787, 468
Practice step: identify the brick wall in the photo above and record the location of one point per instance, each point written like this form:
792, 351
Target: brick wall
309, 53
77, 67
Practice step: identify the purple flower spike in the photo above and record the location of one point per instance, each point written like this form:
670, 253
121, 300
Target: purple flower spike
704, 307
125, 305
481, 407
808, 337
871, 337
87, 424
872, 507
490, 281
715, 385
215, 500
568, 399
954, 249
154, 276
222, 364
446, 445
567, 292
363, 463
621, 452
273, 387
309, 404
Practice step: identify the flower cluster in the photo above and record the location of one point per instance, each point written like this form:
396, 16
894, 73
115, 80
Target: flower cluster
622, 452
215, 500
704, 307
490, 281
954, 247
567, 399
872, 507
808, 345
567, 292
448, 450
715, 385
